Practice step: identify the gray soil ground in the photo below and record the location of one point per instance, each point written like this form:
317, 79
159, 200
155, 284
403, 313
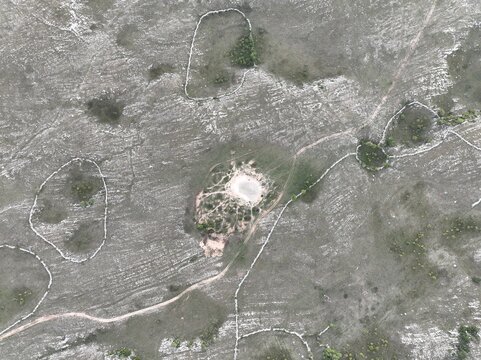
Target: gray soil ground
386, 258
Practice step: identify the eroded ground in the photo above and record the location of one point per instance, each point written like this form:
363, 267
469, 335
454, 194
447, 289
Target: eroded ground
362, 264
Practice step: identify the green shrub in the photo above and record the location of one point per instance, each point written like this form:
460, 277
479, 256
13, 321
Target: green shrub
451, 119
467, 333
176, 343
83, 191
210, 333
122, 352
371, 156
331, 354
244, 52
22, 295
458, 226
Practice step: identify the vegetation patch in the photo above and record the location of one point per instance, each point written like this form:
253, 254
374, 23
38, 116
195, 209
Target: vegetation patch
244, 53
51, 213
457, 226
223, 45
84, 238
124, 353
210, 332
450, 119
411, 249
411, 128
83, 186
13, 301
467, 334
371, 156
275, 352
331, 354
106, 109
372, 344
465, 69
155, 71
22, 295
301, 182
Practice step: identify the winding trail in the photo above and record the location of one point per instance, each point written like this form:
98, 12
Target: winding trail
404, 63
80, 315
244, 278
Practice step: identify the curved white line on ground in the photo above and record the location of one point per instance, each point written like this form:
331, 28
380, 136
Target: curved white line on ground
418, 152
386, 128
285, 331
43, 319
149, 309
50, 279
187, 73
32, 210
261, 250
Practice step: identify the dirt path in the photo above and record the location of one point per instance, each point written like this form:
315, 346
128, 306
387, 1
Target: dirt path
403, 63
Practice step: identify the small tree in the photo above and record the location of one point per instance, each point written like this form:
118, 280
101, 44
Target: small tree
331, 354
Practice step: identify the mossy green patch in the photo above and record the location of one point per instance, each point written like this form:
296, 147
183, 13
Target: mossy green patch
331, 354
451, 119
411, 128
373, 344
466, 335
371, 156
244, 53
302, 180
83, 186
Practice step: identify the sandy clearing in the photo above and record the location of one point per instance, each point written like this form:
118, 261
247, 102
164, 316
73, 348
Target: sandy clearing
246, 188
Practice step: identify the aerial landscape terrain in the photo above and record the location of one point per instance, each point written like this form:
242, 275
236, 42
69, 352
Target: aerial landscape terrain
246, 180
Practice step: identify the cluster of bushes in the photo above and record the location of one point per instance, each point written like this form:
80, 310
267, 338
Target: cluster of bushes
207, 336
124, 353
417, 129
106, 109
210, 333
244, 52
83, 191
467, 333
331, 354
458, 226
451, 119
300, 184
371, 156
22, 295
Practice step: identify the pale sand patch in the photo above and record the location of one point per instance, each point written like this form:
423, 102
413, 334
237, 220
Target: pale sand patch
246, 188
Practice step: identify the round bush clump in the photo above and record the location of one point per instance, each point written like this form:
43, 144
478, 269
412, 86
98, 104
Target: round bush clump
371, 156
